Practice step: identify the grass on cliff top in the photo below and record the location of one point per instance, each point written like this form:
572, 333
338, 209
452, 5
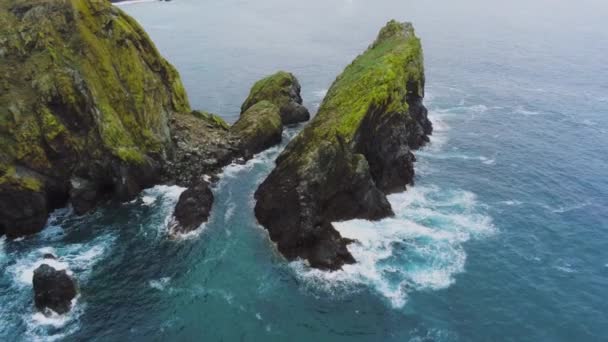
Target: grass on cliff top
81, 61
377, 78
273, 88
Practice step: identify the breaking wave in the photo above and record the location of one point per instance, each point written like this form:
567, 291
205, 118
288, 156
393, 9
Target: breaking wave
420, 248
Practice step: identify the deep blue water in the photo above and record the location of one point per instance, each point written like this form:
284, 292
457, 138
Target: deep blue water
503, 238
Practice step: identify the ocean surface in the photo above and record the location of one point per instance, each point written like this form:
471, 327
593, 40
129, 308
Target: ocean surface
504, 237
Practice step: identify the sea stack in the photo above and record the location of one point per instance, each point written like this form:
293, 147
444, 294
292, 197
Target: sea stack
356, 150
53, 289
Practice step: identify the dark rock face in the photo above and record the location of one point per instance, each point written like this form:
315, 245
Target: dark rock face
298, 211
53, 289
22, 211
283, 90
355, 151
103, 180
192, 209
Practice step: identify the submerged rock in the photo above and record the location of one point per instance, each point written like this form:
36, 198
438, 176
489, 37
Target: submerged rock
53, 289
192, 210
355, 150
258, 128
283, 90
85, 101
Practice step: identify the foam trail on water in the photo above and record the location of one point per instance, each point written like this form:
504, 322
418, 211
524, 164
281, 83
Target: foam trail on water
420, 248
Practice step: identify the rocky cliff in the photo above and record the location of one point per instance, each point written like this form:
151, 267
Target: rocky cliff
85, 103
355, 151
90, 111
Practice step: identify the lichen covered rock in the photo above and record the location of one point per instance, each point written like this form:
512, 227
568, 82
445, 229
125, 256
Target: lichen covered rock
85, 102
258, 128
283, 90
355, 150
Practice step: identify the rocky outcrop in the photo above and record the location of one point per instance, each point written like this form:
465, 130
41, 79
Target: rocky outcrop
258, 128
283, 90
53, 289
85, 104
203, 145
355, 151
192, 210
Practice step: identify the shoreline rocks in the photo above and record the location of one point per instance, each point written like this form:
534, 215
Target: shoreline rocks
355, 151
53, 289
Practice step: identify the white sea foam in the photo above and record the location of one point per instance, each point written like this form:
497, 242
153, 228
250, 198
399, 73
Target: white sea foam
193, 234
231, 207
159, 284
487, 161
50, 326
148, 200
511, 203
420, 248
524, 111
434, 154
167, 197
72, 257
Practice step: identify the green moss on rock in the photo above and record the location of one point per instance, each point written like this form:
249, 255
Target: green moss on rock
83, 90
378, 78
258, 128
283, 90
274, 88
83, 69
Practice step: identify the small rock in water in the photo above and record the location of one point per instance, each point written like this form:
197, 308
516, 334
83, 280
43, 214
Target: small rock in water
49, 256
53, 289
192, 209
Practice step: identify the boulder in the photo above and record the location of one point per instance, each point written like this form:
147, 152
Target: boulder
258, 128
53, 289
283, 90
355, 151
192, 209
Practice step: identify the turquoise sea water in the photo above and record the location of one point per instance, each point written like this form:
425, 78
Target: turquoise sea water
503, 237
